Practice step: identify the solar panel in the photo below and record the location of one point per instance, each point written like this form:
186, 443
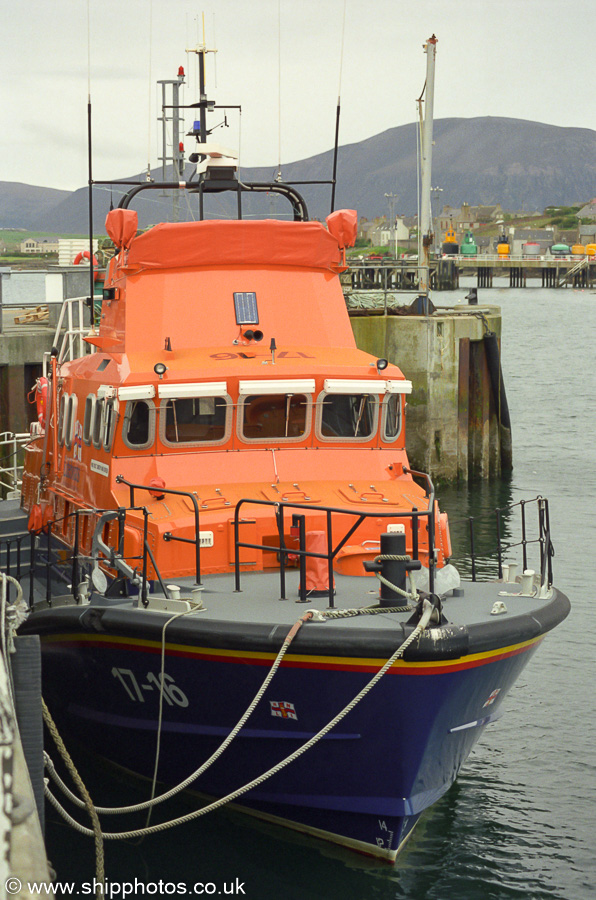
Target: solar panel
245, 304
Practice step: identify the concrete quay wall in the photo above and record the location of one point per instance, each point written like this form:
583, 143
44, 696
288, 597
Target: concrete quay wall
452, 427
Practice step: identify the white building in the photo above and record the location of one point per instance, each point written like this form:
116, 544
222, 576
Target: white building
69, 249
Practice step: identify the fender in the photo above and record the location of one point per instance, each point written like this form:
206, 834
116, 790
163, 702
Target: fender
41, 400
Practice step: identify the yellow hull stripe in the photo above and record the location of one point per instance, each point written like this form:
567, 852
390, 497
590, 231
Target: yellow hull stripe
299, 660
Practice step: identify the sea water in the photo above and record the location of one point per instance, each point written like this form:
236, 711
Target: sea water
520, 821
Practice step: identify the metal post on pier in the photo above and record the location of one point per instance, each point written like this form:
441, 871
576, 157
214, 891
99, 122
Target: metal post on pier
426, 237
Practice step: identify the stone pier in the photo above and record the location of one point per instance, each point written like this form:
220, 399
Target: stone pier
453, 430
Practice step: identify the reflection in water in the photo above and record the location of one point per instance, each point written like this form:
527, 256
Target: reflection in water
480, 514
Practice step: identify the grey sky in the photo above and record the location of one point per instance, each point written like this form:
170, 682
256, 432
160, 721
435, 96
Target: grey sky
525, 59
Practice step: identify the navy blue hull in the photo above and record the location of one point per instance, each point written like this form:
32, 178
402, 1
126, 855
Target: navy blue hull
364, 784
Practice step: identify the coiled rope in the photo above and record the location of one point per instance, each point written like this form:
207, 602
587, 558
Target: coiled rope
154, 829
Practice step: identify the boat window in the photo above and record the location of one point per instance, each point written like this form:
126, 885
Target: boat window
194, 420
139, 424
391, 417
110, 418
348, 416
88, 420
96, 428
62, 417
70, 418
275, 416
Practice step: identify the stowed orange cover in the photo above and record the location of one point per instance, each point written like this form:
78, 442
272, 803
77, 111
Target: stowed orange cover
343, 225
121, 226
209, 243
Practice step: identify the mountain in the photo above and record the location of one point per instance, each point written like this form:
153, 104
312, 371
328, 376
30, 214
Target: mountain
481, 161
24, 206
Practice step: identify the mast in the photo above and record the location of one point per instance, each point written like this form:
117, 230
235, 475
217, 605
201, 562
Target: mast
426, 152
177, 157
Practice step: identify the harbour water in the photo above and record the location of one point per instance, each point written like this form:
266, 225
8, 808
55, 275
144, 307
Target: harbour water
520, 821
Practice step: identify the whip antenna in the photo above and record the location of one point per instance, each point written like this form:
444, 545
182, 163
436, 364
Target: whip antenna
90, 166
150, 91
336, 144
278, 176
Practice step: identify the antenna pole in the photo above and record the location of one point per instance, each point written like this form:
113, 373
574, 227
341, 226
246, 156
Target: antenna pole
90, 204
341, 63
335, 153
202, 96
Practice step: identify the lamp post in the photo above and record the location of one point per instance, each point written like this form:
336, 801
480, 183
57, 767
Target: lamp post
425, 235
436, 191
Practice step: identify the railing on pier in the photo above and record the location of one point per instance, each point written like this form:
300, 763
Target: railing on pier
11, 466
574, 274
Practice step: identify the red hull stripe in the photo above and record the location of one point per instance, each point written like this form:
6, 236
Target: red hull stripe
332, 663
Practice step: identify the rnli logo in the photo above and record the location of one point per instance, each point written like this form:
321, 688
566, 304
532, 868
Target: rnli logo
492, 697
282, 709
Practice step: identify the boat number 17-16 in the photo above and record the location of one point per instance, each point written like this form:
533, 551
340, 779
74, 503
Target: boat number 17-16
171, 692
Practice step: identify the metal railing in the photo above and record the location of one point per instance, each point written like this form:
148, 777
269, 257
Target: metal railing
15, 548
525, 542
71, 343
47, 562
11, 469
168, 536
329, 512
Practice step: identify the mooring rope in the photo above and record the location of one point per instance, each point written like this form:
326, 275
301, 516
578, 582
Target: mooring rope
95, 832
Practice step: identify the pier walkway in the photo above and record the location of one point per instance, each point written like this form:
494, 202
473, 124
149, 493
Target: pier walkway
391, 274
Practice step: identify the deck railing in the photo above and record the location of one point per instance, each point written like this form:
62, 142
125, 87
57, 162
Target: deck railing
280, 507
40, 555
27, 554
71, 331
523, 543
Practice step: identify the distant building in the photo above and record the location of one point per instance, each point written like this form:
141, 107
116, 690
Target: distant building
587, 234
520, 236
475, 216
380, 232
33, 246
467, 218
448, 218
588, 211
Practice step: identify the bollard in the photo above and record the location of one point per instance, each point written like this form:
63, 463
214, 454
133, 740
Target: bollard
394, 570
